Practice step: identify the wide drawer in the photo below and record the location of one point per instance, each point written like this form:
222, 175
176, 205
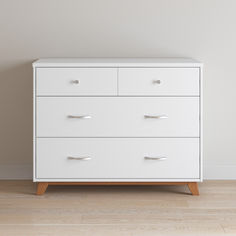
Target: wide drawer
117, 117
159, 81
117, 158
76, 81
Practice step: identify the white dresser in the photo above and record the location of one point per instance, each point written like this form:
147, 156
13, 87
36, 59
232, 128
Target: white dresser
117, 121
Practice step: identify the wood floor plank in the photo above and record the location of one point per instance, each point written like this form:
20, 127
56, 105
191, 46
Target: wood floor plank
117, 210
114, 230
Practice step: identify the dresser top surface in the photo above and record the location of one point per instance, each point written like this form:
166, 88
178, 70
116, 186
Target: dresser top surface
116, 62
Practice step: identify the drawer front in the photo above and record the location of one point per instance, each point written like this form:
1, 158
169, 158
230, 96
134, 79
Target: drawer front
76, 81
159, 81
117, 117
104, 158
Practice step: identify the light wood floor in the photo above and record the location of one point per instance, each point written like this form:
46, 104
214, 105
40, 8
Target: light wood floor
117, 210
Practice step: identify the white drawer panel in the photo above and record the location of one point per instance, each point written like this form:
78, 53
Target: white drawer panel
159, 81
76, 81
117, 158
117, 117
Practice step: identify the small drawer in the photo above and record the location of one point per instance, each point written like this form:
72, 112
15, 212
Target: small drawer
132, 158
76, 81
117, 117
159, 81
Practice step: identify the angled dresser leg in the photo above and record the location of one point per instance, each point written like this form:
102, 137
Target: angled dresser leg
193, 187
41, 188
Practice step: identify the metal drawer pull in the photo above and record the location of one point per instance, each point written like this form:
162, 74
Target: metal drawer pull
156, 117
155, 158
79, 117
75, 81
79, 158
156, 81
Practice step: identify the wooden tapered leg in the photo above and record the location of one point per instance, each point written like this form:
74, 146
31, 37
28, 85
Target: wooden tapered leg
41, 188
193, 187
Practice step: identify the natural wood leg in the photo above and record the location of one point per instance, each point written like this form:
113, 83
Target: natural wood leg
41, 188
193, 187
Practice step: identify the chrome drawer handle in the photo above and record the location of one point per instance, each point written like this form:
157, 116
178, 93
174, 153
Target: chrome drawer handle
79, 117
75, 81
156, 81
155, 158
79, 158
155, 117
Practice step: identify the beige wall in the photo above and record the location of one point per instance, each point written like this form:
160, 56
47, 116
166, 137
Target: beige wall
202, 29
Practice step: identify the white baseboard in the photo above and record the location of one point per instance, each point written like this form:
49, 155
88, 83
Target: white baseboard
217, 172
16, 171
